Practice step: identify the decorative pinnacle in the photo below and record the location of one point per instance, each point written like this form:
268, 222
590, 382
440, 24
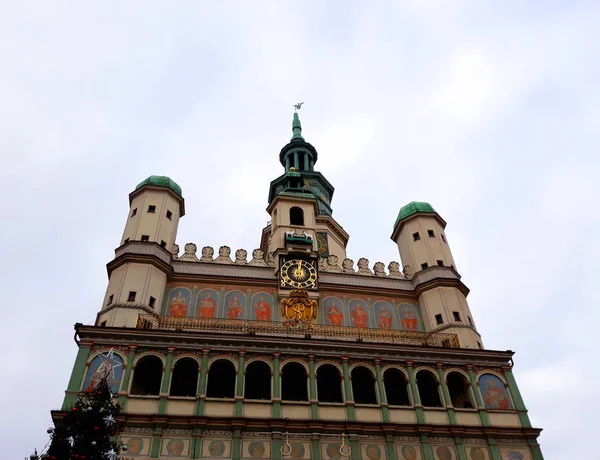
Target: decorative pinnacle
296, 126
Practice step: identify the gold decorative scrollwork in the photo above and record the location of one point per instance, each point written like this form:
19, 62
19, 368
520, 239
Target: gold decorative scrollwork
299, 307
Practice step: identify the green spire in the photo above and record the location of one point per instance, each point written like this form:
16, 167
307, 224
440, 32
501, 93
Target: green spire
296, 129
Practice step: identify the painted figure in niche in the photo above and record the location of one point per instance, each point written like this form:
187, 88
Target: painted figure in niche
494, 392
477, 454
109, 365
216, 448
298, 450
178, 305
409, 452
262, 309
373, 452
409, 318
207, 306
175, 447
359, 316
234, 307
333, 450
135, 446
443, 453
256, 449
384, 317
334, 314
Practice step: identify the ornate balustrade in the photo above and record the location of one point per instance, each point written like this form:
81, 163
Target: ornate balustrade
293, 329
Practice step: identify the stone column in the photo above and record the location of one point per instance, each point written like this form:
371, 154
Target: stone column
485, 421
446, 394
385, 411
306, 166
348, 390
276, 410
312, 386
164, 389
287, 163
201, 391
296, 162
128, 368
239, 387
77, 375
516, 397
415, 392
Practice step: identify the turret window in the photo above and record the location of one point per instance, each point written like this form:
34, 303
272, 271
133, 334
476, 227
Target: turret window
134, 212
110, 299
440, 263
169, 215
296, 216
163, 244
443, 238
424, 265
131, 297
416, 236
456, 316
145, 237
151, 302
430, 234
439, 319
152, 208
126, 241
470, 321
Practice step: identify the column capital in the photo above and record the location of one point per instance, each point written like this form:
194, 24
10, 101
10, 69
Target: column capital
311, 357
133, 347
469, 367
85, 344
242, 352
345, 359
439, 365
205, 351
409, 363
170, 349
276, 354
377, 361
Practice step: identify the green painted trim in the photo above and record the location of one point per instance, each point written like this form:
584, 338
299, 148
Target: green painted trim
201, 391
237, 444
196, 452
536, 451
496, 455
460, 448
355, 446
348, 391
77, 375
446, 395
166, 380
385, 411
127, 375
390, 447
239, 390
415, 393
312, 386
485, 420
517, 399
427, 449
276, 409
194, 305
155, 451
276, 452
316, 448
164, 308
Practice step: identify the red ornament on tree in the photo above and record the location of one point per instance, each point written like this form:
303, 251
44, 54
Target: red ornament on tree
74, 408
96, 428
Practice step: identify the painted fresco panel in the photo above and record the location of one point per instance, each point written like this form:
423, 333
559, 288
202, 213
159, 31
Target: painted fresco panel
372, 451
384, 318
235, 305
331, 450
410, 319
262, 306
106, 363
477, 453
256, 448
359, 313
494, 393
208, 301
333, 309
515, 453
175, 447
297, 449
216, 448
409, 452
179, 302
137, 446
444, 452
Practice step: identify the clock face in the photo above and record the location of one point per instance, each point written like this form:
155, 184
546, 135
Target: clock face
299, 274
322, 245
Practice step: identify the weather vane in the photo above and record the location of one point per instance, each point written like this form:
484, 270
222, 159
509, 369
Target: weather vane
298, 106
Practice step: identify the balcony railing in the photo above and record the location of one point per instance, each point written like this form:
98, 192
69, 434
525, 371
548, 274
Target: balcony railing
297, 330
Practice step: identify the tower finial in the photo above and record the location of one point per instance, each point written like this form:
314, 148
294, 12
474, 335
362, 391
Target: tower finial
296, 126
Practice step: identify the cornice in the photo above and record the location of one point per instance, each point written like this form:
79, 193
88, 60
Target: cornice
155, 338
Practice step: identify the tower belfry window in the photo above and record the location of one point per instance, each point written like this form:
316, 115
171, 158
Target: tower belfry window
151, 208
296, 216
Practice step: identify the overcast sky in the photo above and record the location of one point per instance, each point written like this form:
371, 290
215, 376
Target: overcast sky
488, 110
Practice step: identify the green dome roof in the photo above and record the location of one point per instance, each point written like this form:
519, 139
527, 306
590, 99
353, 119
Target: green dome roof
413, 208
161, 181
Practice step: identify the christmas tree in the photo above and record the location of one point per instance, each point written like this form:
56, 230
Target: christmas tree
88, 430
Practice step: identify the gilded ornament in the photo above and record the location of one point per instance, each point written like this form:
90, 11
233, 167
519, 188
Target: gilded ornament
299, 307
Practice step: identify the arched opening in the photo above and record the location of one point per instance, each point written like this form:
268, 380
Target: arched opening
329, 384
296, 216
257, 381
459, 391
147, 376
395, 388
185, 378
293, 383
221, 379
428, 389
363, 386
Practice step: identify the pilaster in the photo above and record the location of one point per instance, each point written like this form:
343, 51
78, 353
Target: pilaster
155, 450
239, 387
385, 411
415, 393
390, 447
427, 449
201, 391
312, 386
164, 389
316, 446
485, 420
516, 397
348, 390
127, 374
446, 393
460, 448
77, 374
276, 409
237, 444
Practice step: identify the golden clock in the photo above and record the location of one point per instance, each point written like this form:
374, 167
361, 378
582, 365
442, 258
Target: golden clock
298, 274
322, 245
